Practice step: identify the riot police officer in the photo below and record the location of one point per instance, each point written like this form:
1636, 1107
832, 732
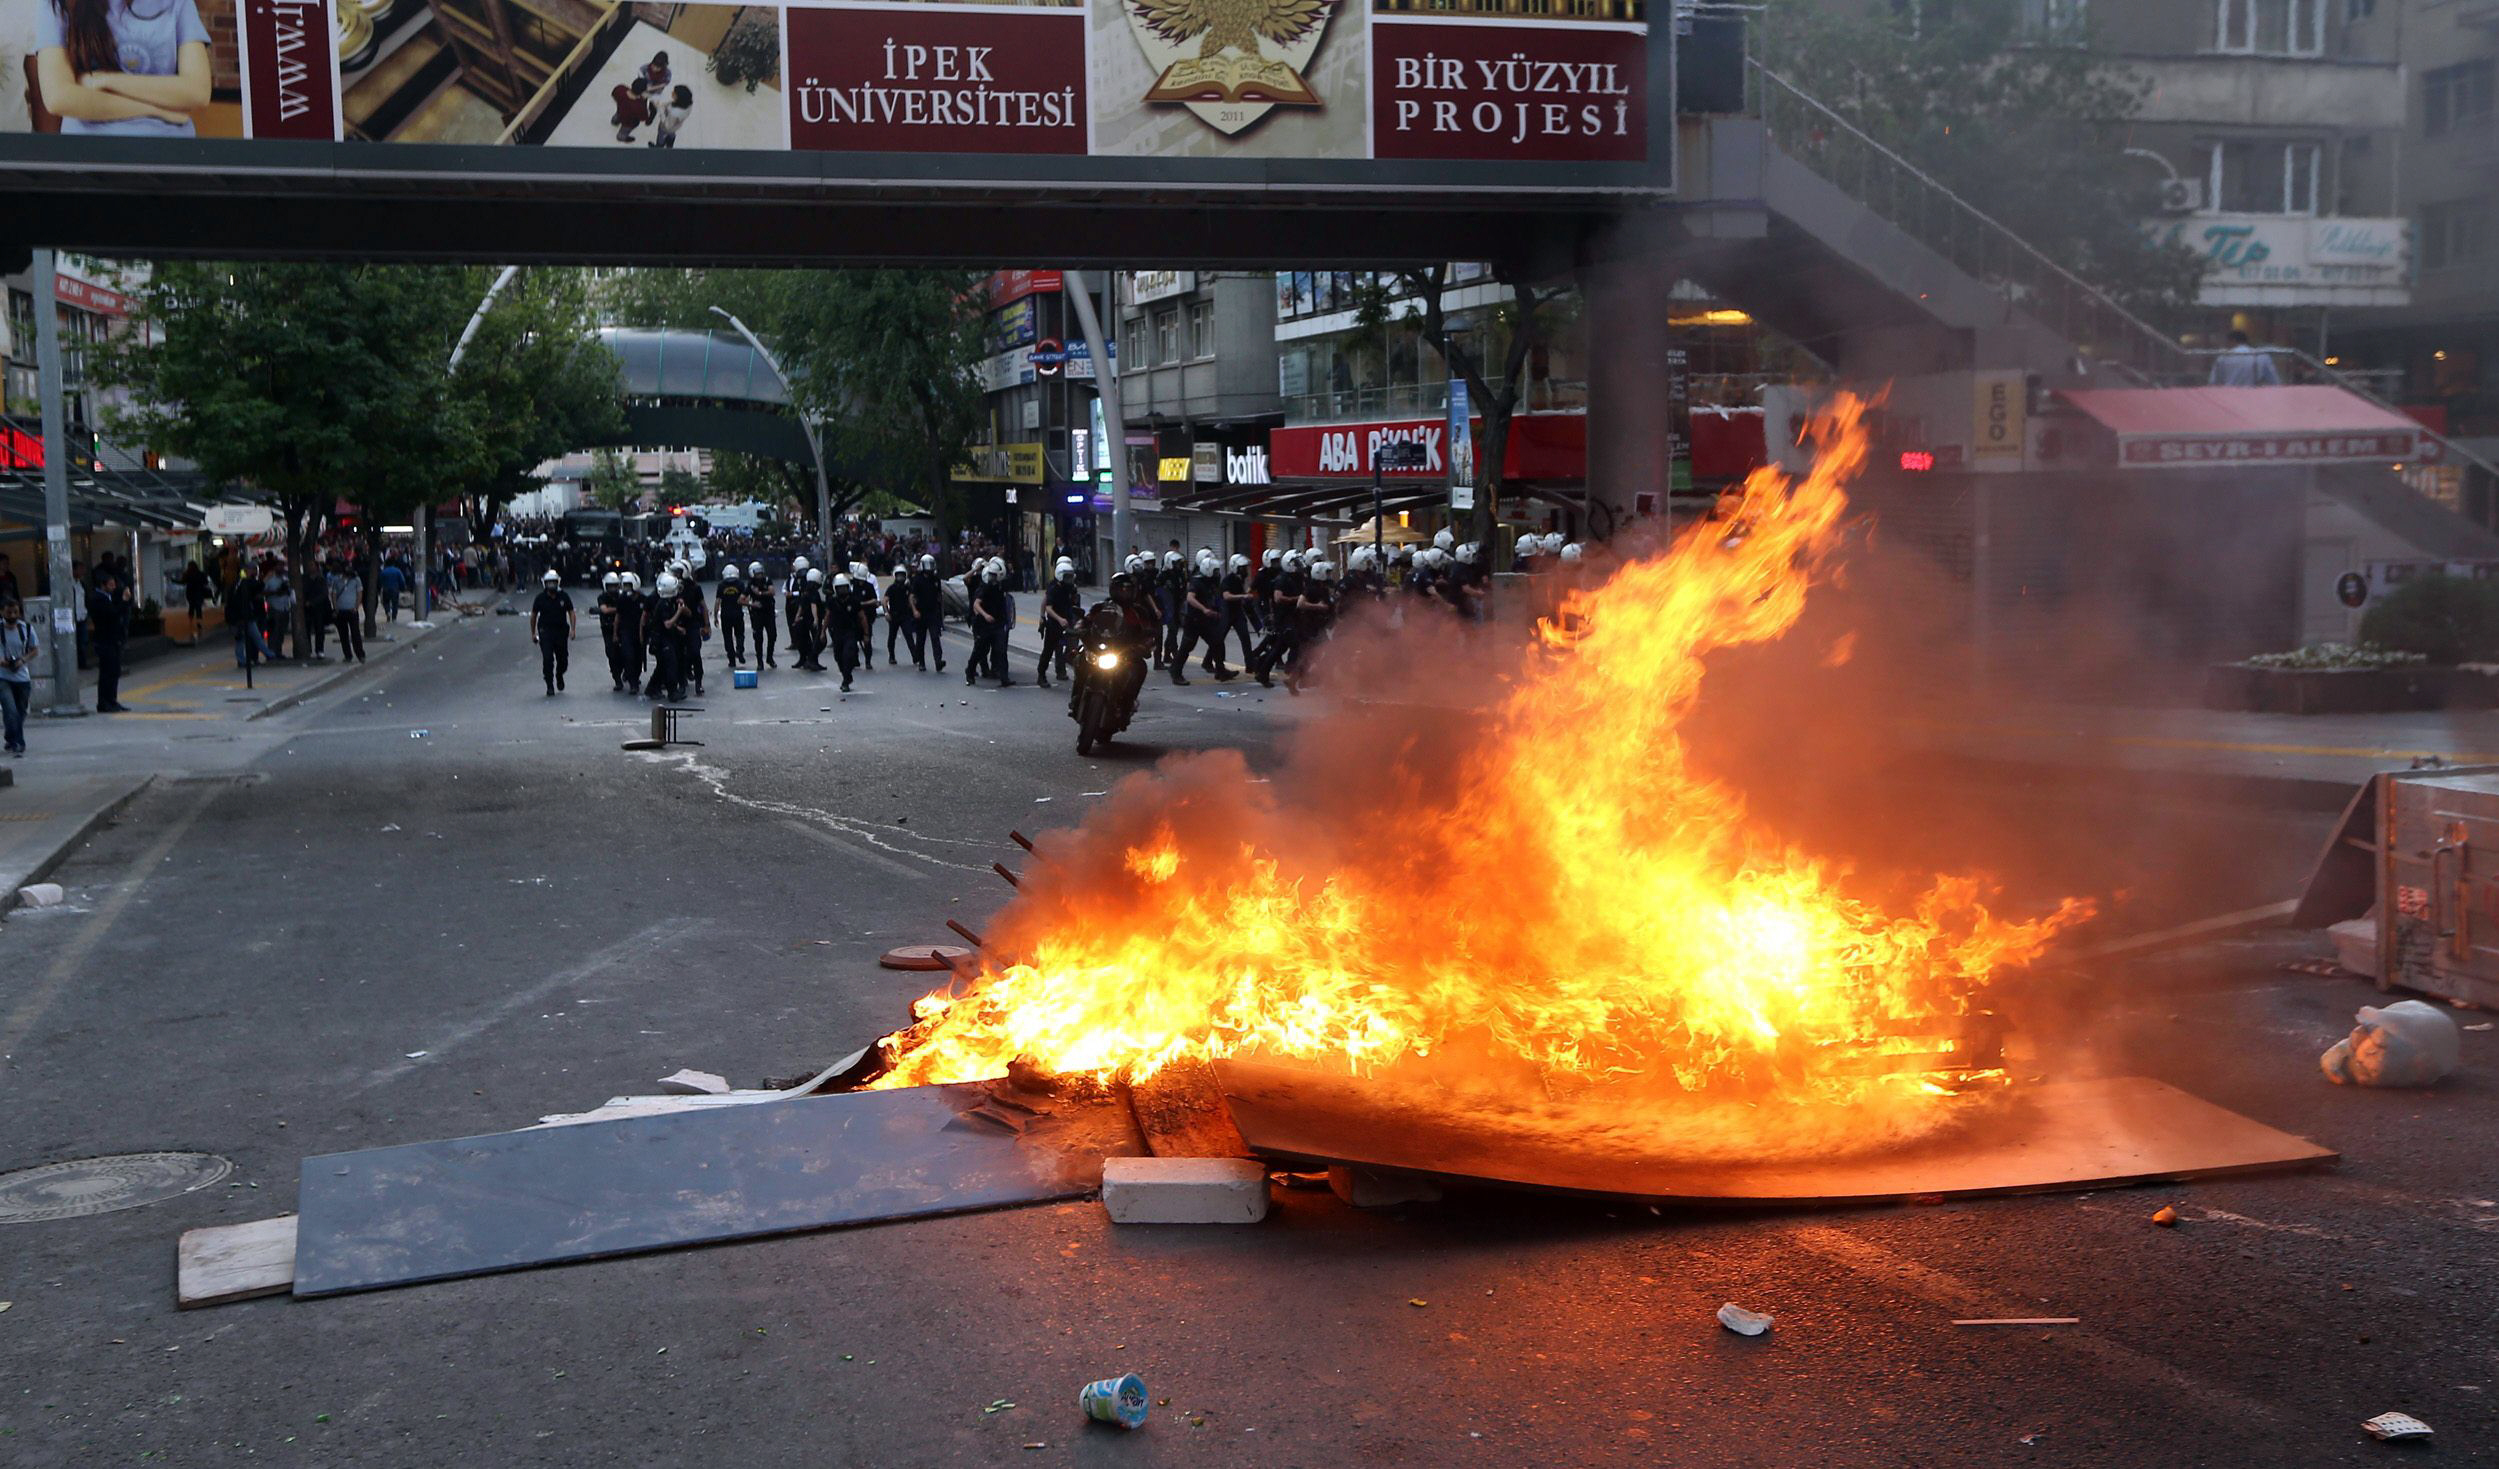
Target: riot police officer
807, 619
844, 611
989, 624
632, 637
1060, 608
665, 622
1201, 615
797, 582
898, 618
1237, 606
928, 608
732, 602
758, 595
611, 594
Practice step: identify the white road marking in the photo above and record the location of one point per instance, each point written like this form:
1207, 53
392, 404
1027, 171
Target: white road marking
871, 834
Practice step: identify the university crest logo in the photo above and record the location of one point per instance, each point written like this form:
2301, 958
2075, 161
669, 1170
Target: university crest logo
1230, 61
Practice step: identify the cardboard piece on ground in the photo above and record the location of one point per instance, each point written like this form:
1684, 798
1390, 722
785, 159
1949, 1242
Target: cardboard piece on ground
2055, 1135
235, 1262
471, 1206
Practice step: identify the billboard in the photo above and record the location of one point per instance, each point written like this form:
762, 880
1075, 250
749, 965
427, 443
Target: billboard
1442, 94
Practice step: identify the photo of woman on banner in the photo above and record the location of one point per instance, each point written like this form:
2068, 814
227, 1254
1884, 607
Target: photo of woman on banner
132, 68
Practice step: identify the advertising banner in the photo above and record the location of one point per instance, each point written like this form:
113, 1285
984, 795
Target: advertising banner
1543, 446
1354, 82
2295, 260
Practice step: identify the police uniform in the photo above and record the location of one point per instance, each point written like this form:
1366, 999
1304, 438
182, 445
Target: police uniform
1283, 628
844, 607
991, 634
1058, 638
732, 602
807, 625
761, 616
1201, 620
1171, 591
631, 638
928, 602
1236, 613
611, 636
898, 617
690, 651
663, 622
550, 618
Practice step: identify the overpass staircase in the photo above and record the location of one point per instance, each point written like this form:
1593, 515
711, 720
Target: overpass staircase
1880, 270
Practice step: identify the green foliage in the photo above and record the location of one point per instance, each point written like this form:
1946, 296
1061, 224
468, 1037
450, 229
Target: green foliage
737, 478
2032, 130
612, 484
2444, 619
534, 384
750, 53
679, 486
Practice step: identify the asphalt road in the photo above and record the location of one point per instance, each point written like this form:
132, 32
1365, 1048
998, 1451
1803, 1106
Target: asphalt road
435, 858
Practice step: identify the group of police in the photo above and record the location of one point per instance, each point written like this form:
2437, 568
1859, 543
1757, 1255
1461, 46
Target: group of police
1195, 607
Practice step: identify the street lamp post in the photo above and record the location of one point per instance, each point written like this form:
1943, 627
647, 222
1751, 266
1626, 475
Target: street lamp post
814, 426
425, 513
1114, 448
56, 492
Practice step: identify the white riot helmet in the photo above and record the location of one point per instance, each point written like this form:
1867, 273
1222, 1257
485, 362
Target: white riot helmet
1065, 570
754, 568
1570, 553
729, 572
993, 572
666, 586
633, 581
1529, 544
1239, 562
1443, 539
1292, 560
609, 580
1271, 558
840, 578
1171, 558
815, 576
1466, 554
1323, 570
1361, 559
928, 563
552, 578
799, 566
858, 568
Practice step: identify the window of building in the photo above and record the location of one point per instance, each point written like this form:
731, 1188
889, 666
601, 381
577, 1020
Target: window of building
1132, 353
2269, 27
2359, 9
2055, 20
1167, 335
1201, 329
2459, 232
2261, 175
2456, 99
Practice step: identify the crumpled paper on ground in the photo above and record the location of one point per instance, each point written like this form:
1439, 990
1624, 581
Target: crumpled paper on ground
2407, 1043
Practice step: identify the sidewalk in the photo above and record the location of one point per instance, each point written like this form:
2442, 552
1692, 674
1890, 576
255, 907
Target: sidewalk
190, 713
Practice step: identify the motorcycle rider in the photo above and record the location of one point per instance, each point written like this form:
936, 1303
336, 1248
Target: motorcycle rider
928, 609
1060, 607
1125, 622
731, 599
758, 596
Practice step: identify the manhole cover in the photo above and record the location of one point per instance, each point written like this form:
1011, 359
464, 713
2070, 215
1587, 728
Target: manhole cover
102, 1185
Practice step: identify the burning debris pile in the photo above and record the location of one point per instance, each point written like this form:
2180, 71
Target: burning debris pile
1543, 899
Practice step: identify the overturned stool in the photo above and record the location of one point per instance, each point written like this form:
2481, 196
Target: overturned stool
664, 728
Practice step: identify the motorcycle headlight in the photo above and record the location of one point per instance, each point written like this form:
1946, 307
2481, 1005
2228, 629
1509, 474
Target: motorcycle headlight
1106, 661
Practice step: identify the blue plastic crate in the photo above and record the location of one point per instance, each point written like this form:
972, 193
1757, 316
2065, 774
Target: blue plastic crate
743, 678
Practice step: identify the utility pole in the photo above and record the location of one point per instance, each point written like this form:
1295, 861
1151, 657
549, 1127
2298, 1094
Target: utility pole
1114, 450
814, 427
425, 513
56, 452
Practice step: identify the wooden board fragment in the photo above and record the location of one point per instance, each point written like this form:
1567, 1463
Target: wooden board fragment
235, 1262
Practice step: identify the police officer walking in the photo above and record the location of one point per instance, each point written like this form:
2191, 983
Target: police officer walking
928, 610
989, 625
1060, 607
758, 595
732, 600
843, 610
898, 618
665, 624
632, 635
1201, 620
611, 596
1236, 608
807, 613
551, 628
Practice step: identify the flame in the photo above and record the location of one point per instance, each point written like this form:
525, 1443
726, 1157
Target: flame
1579, 906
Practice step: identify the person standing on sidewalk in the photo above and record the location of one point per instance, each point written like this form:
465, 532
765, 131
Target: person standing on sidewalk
317, 619
551, 628
394, 585
347, 609
108, 610
245, 607
17, 678
195, 596
278, 594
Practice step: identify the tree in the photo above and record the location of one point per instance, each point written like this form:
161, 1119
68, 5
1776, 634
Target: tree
613, 484
308, 383
1512, 337
679, 486
534, 384
2028, 126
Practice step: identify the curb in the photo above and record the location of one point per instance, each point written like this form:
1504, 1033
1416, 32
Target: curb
93, 822
2297, 792
337, 676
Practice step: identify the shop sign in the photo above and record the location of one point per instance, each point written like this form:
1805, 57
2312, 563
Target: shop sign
1011, 325
1158, 285
290, 87
239, 520
1011, 285
1997, 417
2190, 451
1172, 469
1206, 463
2294, 260
1018, 464
1544, 446
1247, 466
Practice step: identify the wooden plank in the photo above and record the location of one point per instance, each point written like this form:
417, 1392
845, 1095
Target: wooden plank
235, 1262
2039, 1138
2269, 916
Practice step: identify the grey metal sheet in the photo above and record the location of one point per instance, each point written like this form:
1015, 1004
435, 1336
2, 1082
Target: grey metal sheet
2054, 1135
471, 1206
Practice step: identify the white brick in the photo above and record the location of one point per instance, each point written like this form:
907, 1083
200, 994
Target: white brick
1184, 1190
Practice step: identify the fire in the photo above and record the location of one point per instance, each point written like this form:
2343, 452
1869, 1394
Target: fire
1577, 907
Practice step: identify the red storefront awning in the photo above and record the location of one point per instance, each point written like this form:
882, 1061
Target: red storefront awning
2197, 428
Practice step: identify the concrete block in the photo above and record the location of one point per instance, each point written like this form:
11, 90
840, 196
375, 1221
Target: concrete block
1184, 1190
1380, 1188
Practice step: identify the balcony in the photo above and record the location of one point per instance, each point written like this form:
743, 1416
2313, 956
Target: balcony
1420, 400
2271, 92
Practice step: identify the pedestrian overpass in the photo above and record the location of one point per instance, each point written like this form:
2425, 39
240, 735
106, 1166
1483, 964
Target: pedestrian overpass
702, 390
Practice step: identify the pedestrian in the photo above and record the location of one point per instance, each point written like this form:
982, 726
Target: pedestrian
990, 613
928, 608
551, 626
760, 614
278, 594
2243, 366
108, 610
17, 678
731, 599
1060, 608
633, 107
317, 620
394, 586
347, 609
670, 117
246, 605
195, 595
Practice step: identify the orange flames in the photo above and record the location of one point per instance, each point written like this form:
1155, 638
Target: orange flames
1551, 893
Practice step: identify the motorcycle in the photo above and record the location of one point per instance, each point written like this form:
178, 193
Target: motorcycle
1110, 674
